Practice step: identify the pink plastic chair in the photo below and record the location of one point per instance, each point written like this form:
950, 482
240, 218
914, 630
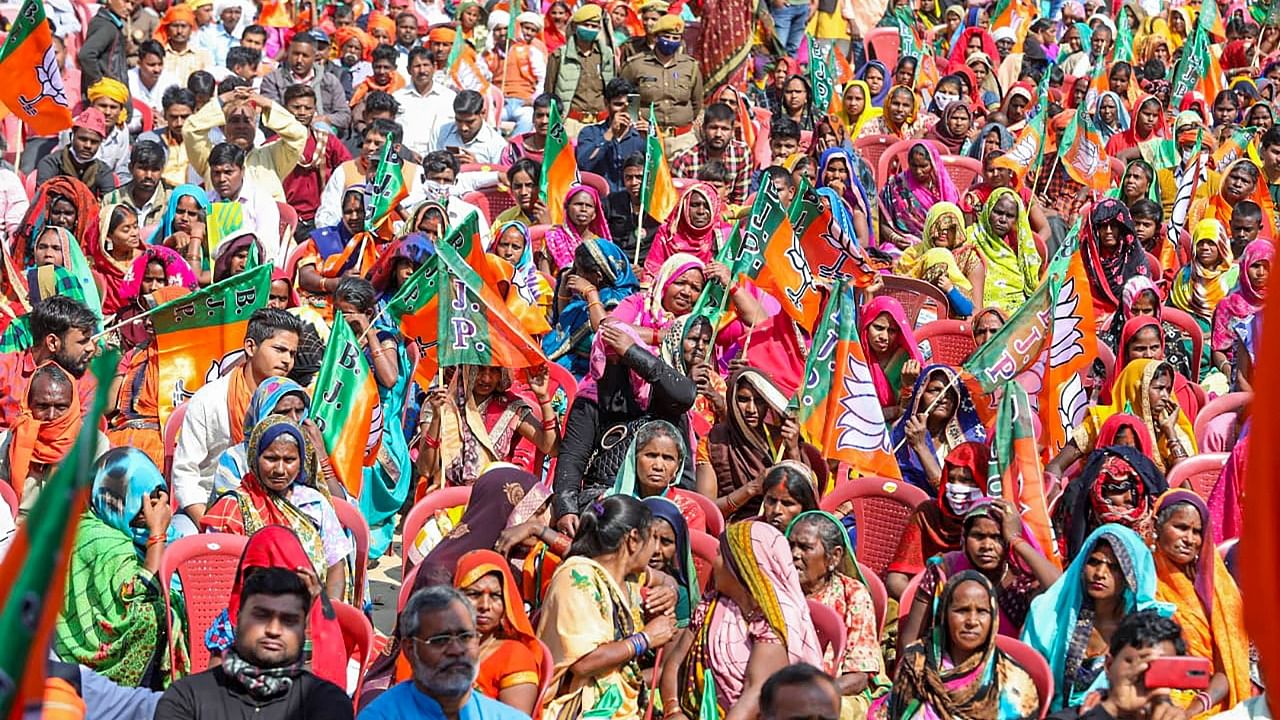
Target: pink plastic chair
10, 497
705, 550
882, 508
206, 564
425, 509
1235, 402
917, 297
1200, 471
950, 341
357, 636
897, 153
908, 597
1035, 665
831, 632
885, 45
879, 595
481, 201
715, 520
962, 169
499, 199
171, 428
598, 183
353, 520
1188, 325
871, 147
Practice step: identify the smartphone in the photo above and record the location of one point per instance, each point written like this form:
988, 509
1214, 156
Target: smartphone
1179, 672
453, 149
633, 106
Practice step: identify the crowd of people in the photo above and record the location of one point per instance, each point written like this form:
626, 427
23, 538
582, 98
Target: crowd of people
648, 527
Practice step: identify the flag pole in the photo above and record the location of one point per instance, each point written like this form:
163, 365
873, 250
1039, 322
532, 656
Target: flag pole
123, 323
644, 180
930, 407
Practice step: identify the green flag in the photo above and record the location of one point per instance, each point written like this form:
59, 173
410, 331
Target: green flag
743, 253
454, 52
346, 403
513, 11
1018, 344
387, 187
1123, 50
838, 317
821, 80
33, 574
414, 311
1195, 62
476, 328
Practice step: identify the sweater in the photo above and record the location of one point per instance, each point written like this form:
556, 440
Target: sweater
214, 695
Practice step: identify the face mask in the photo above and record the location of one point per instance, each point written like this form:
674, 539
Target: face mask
945, 99
434, 191
586, 34
667, 46
961, 497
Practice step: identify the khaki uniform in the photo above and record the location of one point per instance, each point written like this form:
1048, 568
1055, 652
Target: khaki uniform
674, 89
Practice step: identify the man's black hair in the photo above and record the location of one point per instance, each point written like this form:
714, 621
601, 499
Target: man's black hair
440, 161
797, 674
618, 87
178, 96
274, 581
147, 155
719, 112
225, 153
59, 315
716, 172
380, 102
1146, 629
264, 323
468, 102
239, 56
784, 127
201, 82
297, 90
1149, 210
1271, 137
233, 82
635, 159
150, 47
422, 51
385, 52
385, 128
777, 172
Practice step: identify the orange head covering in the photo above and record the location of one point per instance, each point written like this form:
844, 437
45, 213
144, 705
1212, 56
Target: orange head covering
378, 19
442, 34
515, 622
344, 35
42, 441
177, 12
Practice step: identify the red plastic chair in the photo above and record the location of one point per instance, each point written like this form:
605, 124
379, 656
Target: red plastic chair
10, 497
357, 635
962, 169
500, 200
949, 341
831, 632
1200, 471
1035, 665
352, 520
483, 167
1235, 402
882, 508
481, 201
1042, 250
1191, 328
1154, 267
537, 234
895, 159
598, 183
885, 46
423, 510
705, 550
171, 428
879, 595
206, 564
871, 147
918, 298
715, 519
288, 219
908, 597
145, 114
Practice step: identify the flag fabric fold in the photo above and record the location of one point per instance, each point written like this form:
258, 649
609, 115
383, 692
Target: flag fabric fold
658, 194
32, 89
386, 188
346, 405
1015, 473
1071, 350
1019, 344
476, 328
559, 167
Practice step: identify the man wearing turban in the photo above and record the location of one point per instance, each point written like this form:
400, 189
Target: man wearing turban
112, 98
181, 57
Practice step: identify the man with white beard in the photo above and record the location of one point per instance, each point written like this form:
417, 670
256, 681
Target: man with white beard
438, 637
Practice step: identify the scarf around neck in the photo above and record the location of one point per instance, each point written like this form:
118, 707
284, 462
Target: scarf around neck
261, 683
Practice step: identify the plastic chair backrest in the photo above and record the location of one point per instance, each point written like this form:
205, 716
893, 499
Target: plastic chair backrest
598, 183
357, 636
871, 147
500, 200
1035, 665
893, 160
481, 201
1188, 325
948, 341
1154, 267
29, 184
423, 510
879, 595
353, 520
483, 167
1231, 402
831, 632
537, 233
171, 428
10, 497
562, 378
962, 169
406, 588
1042, 250
922, 302
1108, 358
206, 564
1201, 471
715, 519
885, 46
145, 114
705, 549
908, 597
288, 220
882, 509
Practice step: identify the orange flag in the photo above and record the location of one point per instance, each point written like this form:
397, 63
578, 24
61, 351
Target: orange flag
32, 87
1073, 347
559, 167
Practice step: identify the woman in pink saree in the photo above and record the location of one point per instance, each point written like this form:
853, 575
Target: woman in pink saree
893, 355
584, 219
694, 228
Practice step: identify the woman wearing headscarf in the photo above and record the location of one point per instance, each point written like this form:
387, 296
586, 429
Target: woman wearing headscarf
677, 284
1142, 337
950, 674
1140, 297
938, 417
584, 219
1003, 237
63, 202
796, 103
1147, 128
829, 574
907, 196
37, 285
693, 228
113, 617
273, 396
1238, 308
755, 434
948, 259
1017, 101
234, 252
901, 118
1119, 485
1205, 281
991, 137
510, 655
513, 243
400, 259
893, 355
652, 466
182, 227
757, 618
1111, 254
1071, 623
1110, 116
280, 489
330, 253
674, 554
987, 90
1226, 500
843, 175
953, 128
857, 109
1193, 578
1143, 389
876, 76
600, 278
114, 258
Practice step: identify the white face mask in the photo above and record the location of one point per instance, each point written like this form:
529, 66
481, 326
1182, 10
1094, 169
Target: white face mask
961, 497
945, 99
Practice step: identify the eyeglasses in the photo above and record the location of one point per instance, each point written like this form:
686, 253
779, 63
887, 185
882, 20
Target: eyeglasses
443, 640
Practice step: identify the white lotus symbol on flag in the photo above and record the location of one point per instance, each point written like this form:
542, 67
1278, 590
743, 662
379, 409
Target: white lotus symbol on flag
1066, 326
861, 425
1073, 401
51, 86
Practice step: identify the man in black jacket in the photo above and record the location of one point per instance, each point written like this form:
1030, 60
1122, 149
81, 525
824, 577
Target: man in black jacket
262, 674
103, 52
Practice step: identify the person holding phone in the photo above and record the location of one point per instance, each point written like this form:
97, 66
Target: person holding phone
603, 147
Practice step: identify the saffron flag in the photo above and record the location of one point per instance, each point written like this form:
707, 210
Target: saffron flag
478, 329
1084, 154
1234, 147
32, 87
346, 407
1027, 149
455, 51
836, 404
200, 337
465, 237
785, 271
1018, 344
1072, 349
1016, 15
33, 574
658, 194
1015, 473
559, 167
832, 251
386, 187
415, 311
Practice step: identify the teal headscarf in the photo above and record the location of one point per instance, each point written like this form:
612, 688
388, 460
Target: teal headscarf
850, 564
625, 481
125, 477
1051, 625
165, 229
233, 464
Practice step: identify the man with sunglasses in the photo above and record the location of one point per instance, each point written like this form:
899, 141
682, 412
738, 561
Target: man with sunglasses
438, 637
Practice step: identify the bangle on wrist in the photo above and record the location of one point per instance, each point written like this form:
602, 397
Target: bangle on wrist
155, 539
433, 443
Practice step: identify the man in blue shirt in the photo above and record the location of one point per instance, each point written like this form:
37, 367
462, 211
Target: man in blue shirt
438, 637
219, 37
602, 148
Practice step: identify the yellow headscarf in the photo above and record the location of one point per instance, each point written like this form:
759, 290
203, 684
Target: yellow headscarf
853, 125
922, 257
1130, 395
114, 89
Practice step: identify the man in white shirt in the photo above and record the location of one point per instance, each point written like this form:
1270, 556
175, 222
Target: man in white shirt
425, 104
149, 80
220, 36
226, 175
270, 346
468, 137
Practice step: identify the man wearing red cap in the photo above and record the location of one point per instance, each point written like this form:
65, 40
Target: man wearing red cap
77, 158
